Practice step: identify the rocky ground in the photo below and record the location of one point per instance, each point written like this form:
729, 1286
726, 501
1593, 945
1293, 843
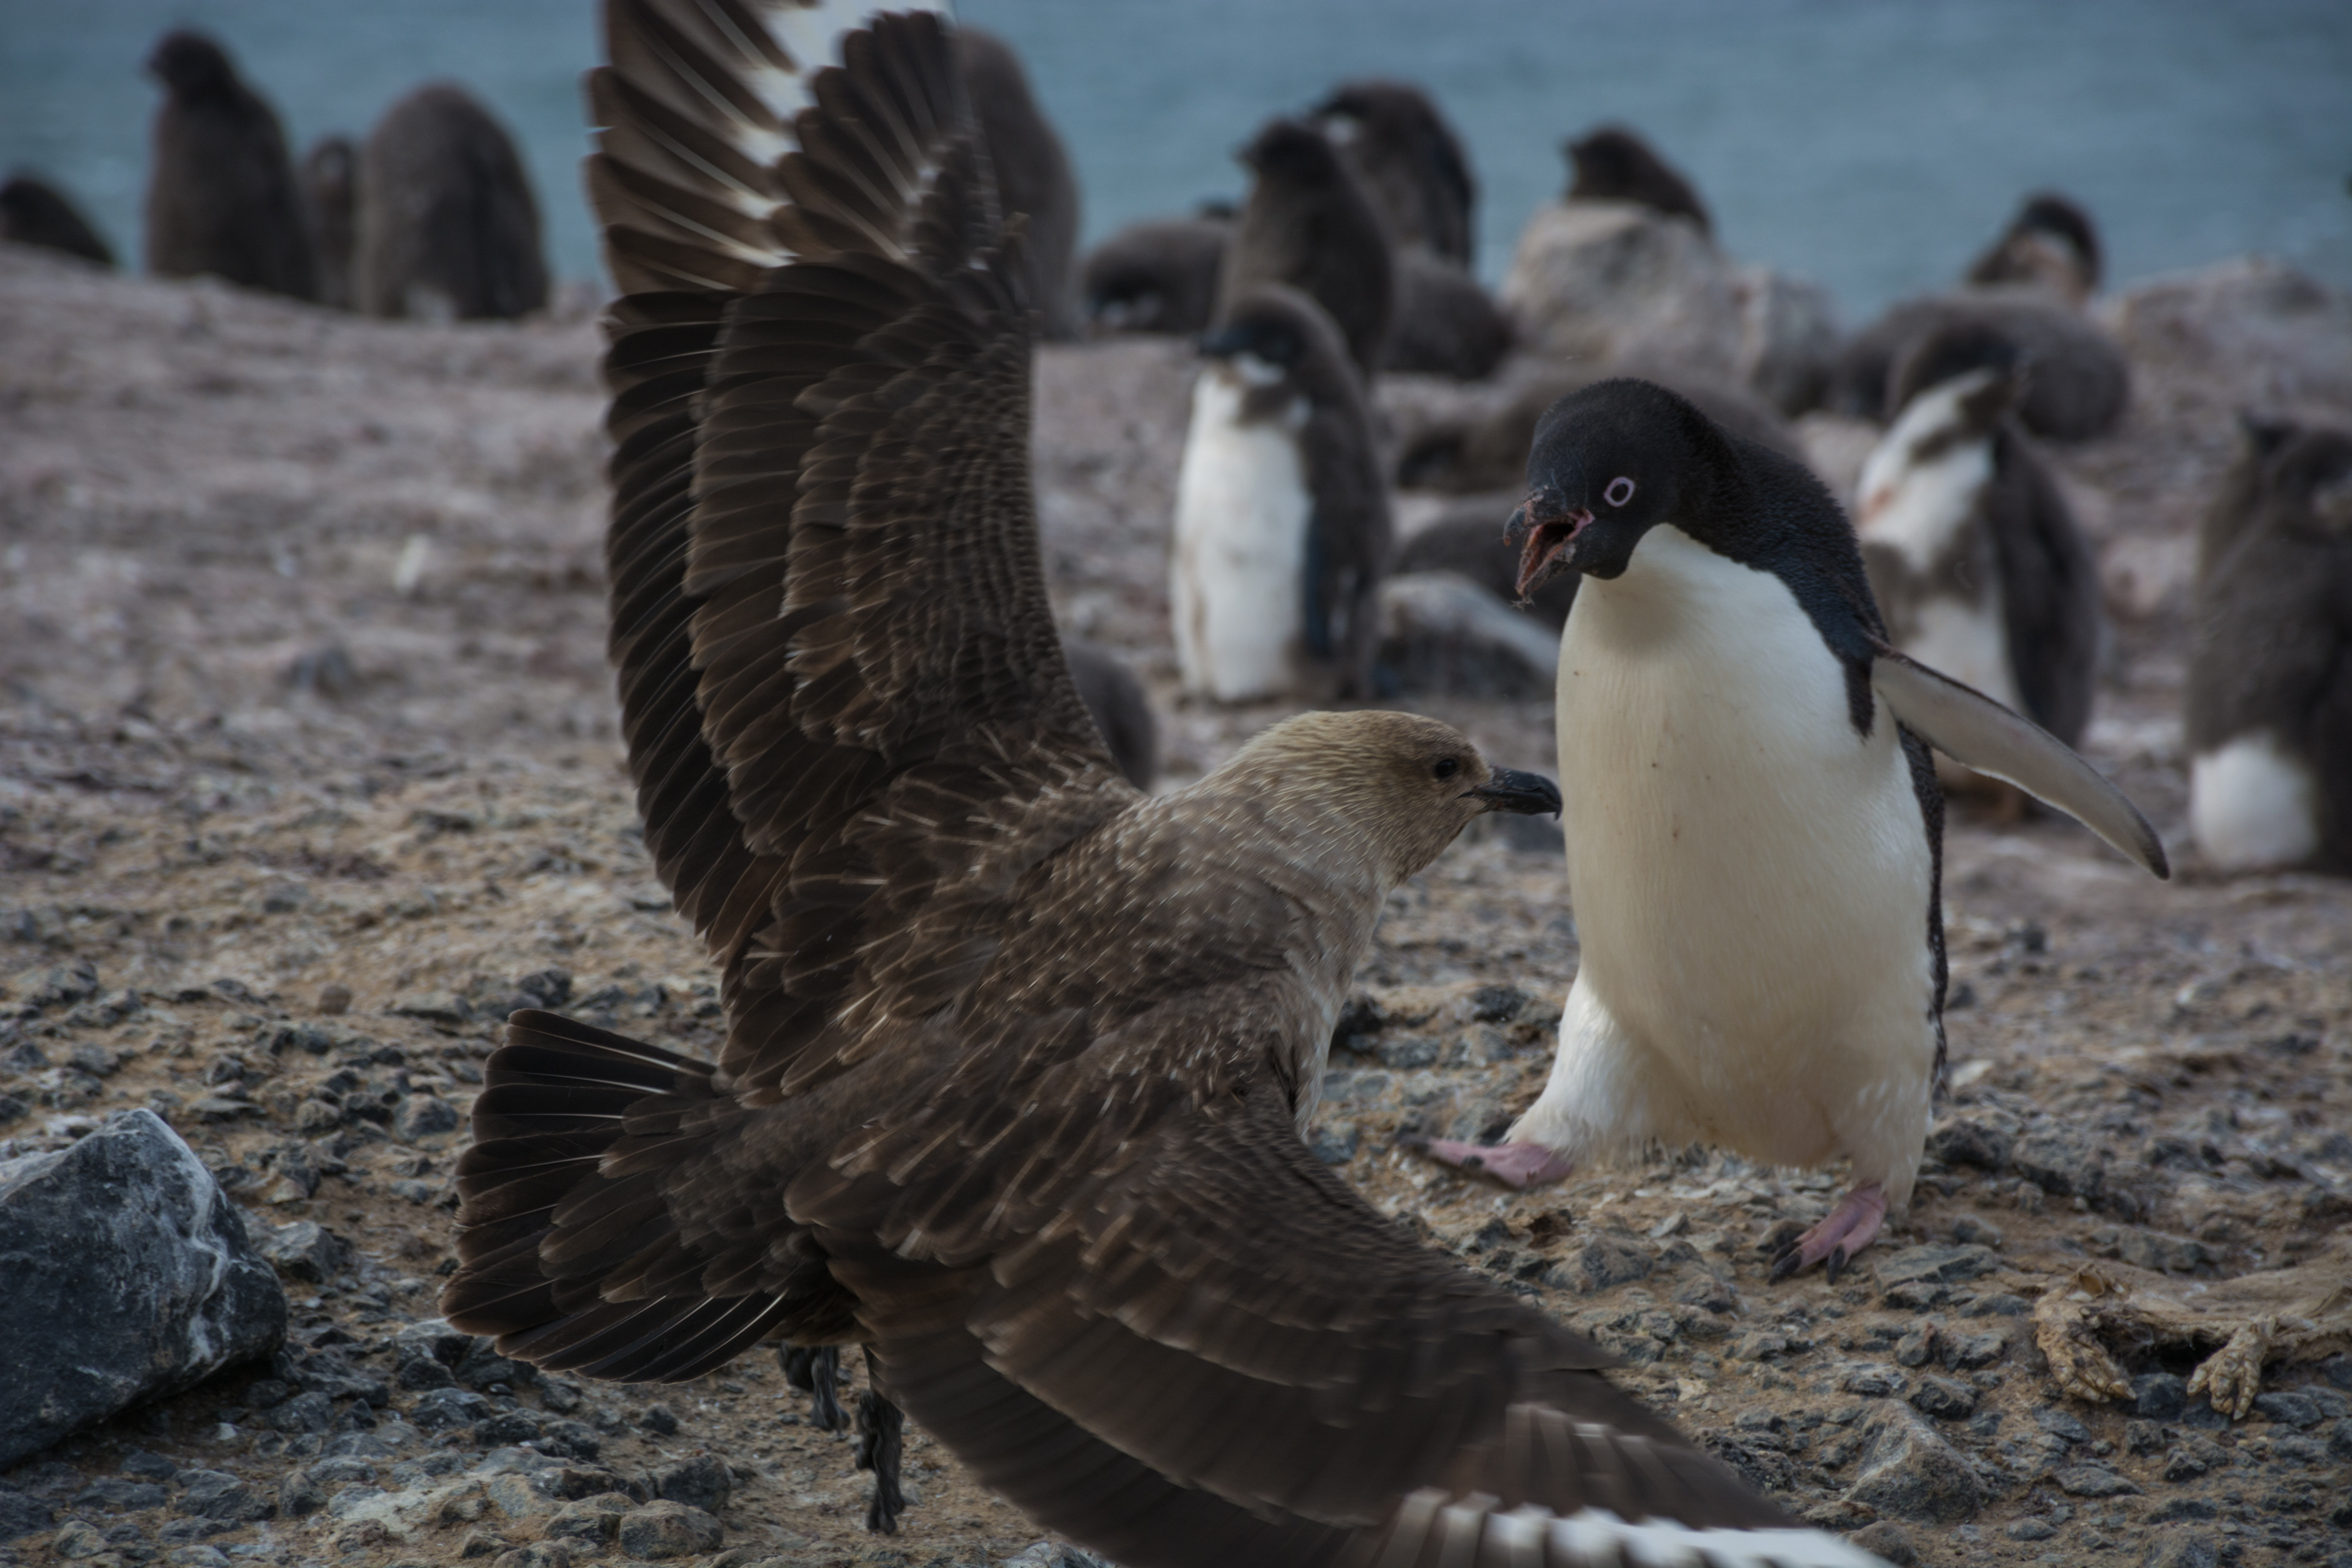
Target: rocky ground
308, 774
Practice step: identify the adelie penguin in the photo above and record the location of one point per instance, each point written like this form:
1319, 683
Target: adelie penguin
221, 197
1282, 523
1973, 554
1310, 222
2270, 675
1753, 822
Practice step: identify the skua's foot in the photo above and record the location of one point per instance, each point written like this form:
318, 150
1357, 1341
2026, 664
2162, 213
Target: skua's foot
1517, 1166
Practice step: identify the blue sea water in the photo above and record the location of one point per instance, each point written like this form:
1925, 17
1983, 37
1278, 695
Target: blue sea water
1870, 144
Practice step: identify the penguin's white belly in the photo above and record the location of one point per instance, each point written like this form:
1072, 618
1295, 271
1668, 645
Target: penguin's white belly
1237, 592
2252, 803
1750, 878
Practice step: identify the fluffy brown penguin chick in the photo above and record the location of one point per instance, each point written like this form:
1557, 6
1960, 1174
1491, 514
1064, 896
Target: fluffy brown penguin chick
1016, 1057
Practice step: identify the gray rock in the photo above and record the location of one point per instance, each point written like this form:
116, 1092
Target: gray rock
1965, 1351
665, 1530
2160, 1254
2340, 1439
120, 1495
703, 1481
2094, 1480
591, 1520
1334, 1143
1872, 1379
306, 1250
1606, 1260
22, 1515
2159, 1396
1944, 1399
2287, 1408
217, 1494
129, 1277
425, 1116
2030, 1530
2190, 1549
1938, 1262
442, 1408
1967, 1141
432, 1006
1909, 1472
2062, 1162
2064, 1424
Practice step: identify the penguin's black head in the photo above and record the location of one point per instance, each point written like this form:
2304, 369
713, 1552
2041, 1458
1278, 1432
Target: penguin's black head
2064, 219
191, 64
1272, 333
1610, 462
1289, 150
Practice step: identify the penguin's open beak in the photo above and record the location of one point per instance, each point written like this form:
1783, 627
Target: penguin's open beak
1525, 794
1542, 537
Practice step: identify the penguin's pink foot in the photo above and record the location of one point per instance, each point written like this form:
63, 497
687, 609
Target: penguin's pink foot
1849, 1228
1519, 1166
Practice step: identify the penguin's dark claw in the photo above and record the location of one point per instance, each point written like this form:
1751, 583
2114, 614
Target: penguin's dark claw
1849, 1228
1788, 1260
1836, 1265
881, 1428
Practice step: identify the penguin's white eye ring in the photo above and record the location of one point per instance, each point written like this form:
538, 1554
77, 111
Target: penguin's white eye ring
1620, 491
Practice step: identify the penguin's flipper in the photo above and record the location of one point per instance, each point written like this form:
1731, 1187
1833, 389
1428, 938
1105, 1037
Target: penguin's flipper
1970, 727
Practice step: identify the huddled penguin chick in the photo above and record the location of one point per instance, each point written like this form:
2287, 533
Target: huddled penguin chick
1114, 700
221, 197
1973, 553
1034, 177
1158, 276
1446, 324
447, 228
1753, 826
1282, 523
331, 178
2270, 675
2050, 243
1612, 163
34, 212
1412, 163
1311, 223
2081, 381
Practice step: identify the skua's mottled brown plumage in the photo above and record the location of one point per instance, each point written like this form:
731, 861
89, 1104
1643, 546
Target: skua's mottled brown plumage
1017, 1057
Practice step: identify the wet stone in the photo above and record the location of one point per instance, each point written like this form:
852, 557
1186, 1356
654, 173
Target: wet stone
218, 1495
2061, 1162
307, 1251
1607, 1261
590, 1519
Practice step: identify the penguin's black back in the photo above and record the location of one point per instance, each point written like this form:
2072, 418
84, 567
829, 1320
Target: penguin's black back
446, 213
1413, 164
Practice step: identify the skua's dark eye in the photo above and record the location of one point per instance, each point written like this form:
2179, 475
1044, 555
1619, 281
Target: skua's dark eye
1447, 768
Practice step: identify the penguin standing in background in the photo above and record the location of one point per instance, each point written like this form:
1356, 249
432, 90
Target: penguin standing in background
2270, 674
34, 212
1032, 171
1753, 822
1610, 164
221, 197
1411, 162
1310, 224
1973, 554
331, 180
2050, 243
1281, 532
448, 229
